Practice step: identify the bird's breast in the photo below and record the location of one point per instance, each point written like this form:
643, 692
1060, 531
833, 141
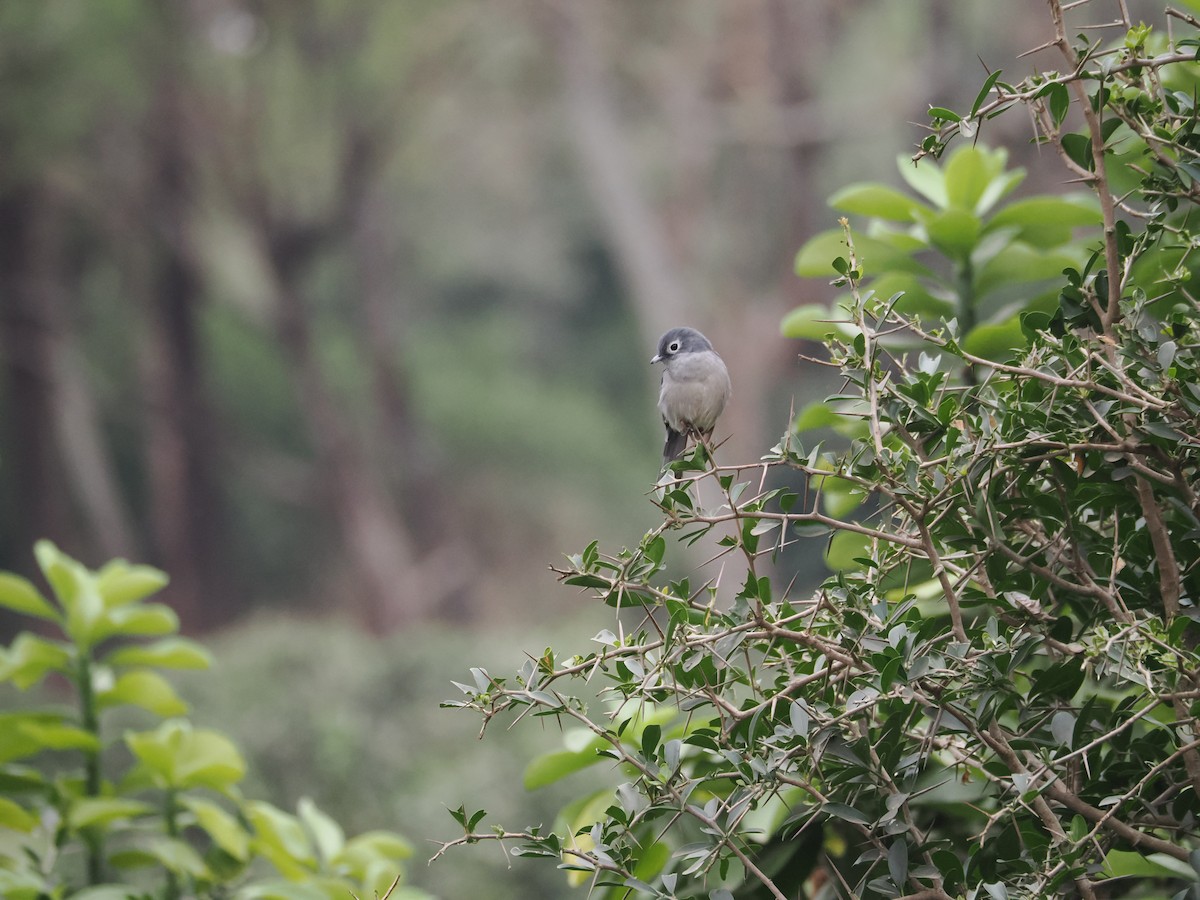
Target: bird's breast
694, 392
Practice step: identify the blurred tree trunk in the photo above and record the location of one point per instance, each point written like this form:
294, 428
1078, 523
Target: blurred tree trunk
87, 463
372, 467
943, 69
401, 453
42, 508
186, 508
59, 450
635, 231
758, 76
400, 450
747, 115
394, 587
384, 559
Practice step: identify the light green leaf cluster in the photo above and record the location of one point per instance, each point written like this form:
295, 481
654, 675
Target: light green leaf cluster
173, 822
954, 253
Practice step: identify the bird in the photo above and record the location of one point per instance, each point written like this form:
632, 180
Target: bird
695, 388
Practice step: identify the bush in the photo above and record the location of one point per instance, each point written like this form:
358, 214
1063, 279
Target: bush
155, 812
996, 691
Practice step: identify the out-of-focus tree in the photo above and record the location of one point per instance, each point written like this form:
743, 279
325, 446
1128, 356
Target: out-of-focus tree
309, 209
57, 462
701, 131
312, 293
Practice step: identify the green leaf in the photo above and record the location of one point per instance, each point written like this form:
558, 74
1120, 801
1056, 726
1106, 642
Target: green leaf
844, 548
926, 179
75, 589
178, 857
816, 415
1078, 148
556, 765
984, 91
1059, 103
995, 341
652, 860
144, 620
170, 653
943, 114
812, 323
916, 299
120, 583
1128, 864
328, 836
274, 889
998, 188
25, 885
281, 838
656, 549
1019, 263
21, 734
839, 496
1047, 221
587, 581
967, 174
31, 658
19, 595
876, 200
1060, 680
225, 830
847, 813
179, 756
955, 232
903, 240
897, 859
16, 817
58, 568
88, 811
371, 848
814, 258
144, 689
650, 738
109, 892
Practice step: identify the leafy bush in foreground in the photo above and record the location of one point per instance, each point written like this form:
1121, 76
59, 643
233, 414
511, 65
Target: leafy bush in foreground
152, 813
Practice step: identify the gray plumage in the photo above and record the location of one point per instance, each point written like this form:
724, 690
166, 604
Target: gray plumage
695, 388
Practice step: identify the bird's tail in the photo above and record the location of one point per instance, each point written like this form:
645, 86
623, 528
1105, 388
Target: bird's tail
673, 448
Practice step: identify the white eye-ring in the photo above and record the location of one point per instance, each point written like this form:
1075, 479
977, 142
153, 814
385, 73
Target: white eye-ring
673, 347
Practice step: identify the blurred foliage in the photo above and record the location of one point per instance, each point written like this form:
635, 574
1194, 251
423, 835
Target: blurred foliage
155, 810
404, 175
954, 254
461, 274
356, 726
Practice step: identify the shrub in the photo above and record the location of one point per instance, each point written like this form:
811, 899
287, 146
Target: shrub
155, 812
996, 691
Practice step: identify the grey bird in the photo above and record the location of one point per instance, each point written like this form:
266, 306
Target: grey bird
695, 388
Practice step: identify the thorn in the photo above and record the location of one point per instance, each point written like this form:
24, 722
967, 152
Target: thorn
1037, 49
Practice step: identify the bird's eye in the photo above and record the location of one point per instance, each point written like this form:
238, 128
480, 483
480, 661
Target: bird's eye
673, 347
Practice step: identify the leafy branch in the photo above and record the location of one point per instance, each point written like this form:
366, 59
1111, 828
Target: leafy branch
997, 689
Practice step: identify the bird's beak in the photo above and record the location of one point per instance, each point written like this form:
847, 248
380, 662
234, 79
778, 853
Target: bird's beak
655, 359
